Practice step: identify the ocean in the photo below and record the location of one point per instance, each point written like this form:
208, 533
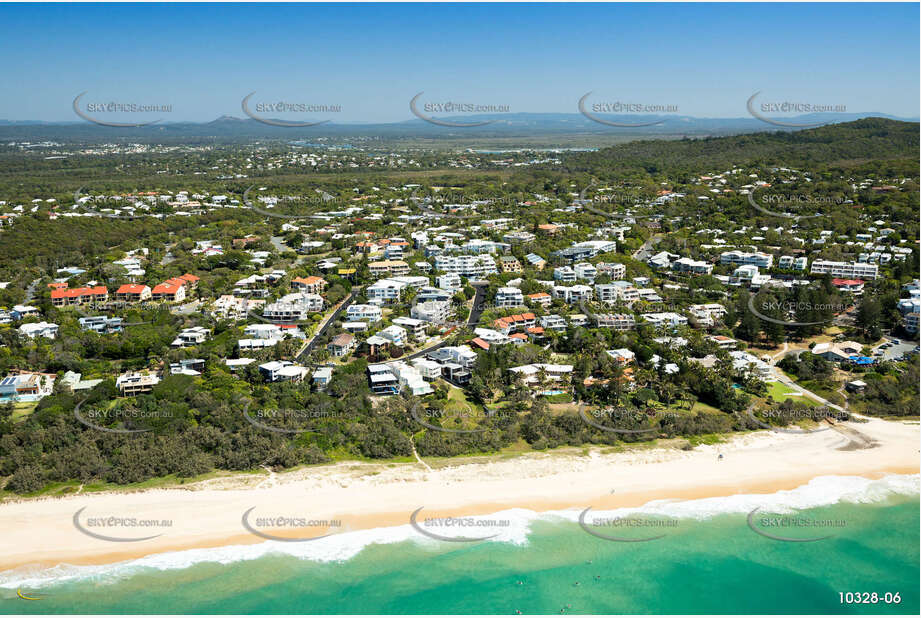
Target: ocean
710, 557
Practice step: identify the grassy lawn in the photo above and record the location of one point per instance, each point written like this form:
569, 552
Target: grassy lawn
780, 393
458, 402
702, 408
22, 409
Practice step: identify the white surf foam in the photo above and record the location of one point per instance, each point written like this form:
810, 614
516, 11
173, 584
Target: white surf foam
821, 491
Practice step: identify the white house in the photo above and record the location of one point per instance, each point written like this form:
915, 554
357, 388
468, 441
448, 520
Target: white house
39, 329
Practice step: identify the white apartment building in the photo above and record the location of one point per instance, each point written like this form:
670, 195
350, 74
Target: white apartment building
394, 334
293, 307
616, 321
450, 281
665, 318
612, 269
706, 315
585, 271
759, 259
387, 290
573, 294
509, 297
371, 313
695, 267
410, 378
791, 263
470, 266
428, 369
413, 326
845, 270
433, 311
617, 291
565, 274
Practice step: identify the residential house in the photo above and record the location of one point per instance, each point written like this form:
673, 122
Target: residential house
341, 344
311, 285
26, 387
134, 383
39, 329
282, 371
101, 324
191, 336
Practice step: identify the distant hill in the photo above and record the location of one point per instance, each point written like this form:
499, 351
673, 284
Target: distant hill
850, 142
231, 128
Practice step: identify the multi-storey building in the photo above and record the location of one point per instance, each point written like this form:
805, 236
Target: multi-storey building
573, 294
695, 267
466, 265
759, 259
845, 270
509, 297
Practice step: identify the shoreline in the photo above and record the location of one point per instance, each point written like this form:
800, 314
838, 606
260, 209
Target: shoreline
40, 534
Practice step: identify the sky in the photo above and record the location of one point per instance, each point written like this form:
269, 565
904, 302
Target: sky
706, 60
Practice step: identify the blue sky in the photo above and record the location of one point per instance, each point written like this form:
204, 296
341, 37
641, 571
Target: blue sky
706, 59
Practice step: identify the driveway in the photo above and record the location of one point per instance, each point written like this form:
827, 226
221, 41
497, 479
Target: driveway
645, 252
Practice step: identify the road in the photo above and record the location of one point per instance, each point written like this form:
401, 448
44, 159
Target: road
475, 312
279, 243
307, 348
30, 291
645, 252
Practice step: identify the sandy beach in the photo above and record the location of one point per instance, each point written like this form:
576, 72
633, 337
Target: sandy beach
42, 532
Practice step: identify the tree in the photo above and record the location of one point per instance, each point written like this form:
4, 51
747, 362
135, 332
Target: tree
869, 315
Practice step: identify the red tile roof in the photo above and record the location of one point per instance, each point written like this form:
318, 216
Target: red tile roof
478, 342
847, 282
99, 290
131, 288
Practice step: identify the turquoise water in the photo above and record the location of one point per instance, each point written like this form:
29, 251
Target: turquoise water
711, 565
